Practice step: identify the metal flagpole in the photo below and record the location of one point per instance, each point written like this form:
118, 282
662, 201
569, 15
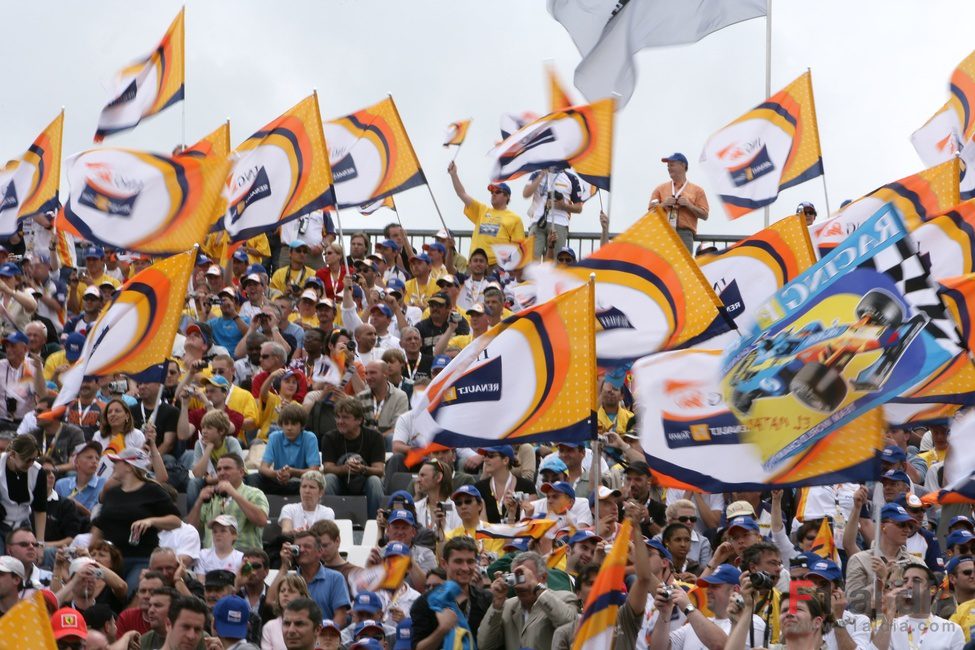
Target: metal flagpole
345, 258
596, 472
812, 102
768, 68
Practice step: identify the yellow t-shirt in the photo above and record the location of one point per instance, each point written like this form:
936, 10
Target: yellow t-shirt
269, 414
932, 456
461, 341
310, 321
54, 360
415, 292
495, 546
81, 286
216, 243
283, 278
964, 617
243, 402
493, 227
619, 425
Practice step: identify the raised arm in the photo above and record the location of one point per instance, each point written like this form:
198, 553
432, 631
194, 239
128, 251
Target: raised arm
458, 186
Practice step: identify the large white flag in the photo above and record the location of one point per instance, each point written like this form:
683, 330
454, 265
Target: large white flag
608, 34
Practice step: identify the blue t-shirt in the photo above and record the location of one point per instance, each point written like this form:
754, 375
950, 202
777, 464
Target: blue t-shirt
226, 333
299, 454
329, 590
86, 496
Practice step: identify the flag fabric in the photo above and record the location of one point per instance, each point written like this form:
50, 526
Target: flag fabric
918, 198
371, 155
947, 242
147, 86
748, 273
940, 139
515, 255
65, 249
959, 468
511, 122
958, 297
650, 295
580, 137
859, 328
912, 414
557, 558
388, 575
215, 144
558, 97
595, 630
962, 88
825, 545
768, 149
281, 173
699, 443
539, 363
142, 202
369, 208
27, 625
609, 34
533, 528
456, 133
134, 333
29, 184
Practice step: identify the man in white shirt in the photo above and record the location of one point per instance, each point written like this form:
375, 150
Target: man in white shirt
916, 628
556, 195
850, 628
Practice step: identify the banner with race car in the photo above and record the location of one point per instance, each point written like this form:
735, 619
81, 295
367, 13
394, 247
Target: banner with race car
859, 328
696, 441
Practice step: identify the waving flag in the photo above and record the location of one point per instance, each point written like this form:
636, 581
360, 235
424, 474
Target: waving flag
514, 256
527, 379
142, 202
947, 242
958, 297
557, 558
917, 198
28, 625
533, 528
962, 90
940, 139
371, 155
134, 333
699, 443
388, 575
748, 273
768, 149
281, 173
369, 208
456, 133
580, 137
959, 476
825, 545
859, 328
29, 185
558, 97
148, 86
215, 144
608, 594
511, 122
650, 295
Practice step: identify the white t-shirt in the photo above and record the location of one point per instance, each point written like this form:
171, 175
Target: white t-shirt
210, 562
579, 515
857, 626
134, 439
558, 182
933, 633
424, 516
684, 637
309, 229
185, 540
303, 520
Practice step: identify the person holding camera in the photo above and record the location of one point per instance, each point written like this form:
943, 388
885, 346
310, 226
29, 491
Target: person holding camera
87, 583
326, 587
354, 456
556, 195
21, 381
683, 202
229, 328
247, 504
441, 318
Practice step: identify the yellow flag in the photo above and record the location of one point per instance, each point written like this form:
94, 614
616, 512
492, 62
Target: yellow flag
27, 626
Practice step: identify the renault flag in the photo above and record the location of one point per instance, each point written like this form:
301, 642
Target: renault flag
142, 202
456, 133
959, 467
580, 137
748, 273
369, 208
940, 139
650, 295
859, 328
134, 333
514, 256
962, 90
529, 378
699, 442
557, 95
917, 198
281, 173
371, 155
597, 626
216, 144
947, 242
768, 149
29, 184
958, 296
147, 86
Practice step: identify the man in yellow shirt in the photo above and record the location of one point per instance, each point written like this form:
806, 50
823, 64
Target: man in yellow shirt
494, 224
939, 441
961, 576
421, 286
611, 415
291, 279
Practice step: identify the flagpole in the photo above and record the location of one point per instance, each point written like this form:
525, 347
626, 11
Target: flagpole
596, 459
768, 68
183, 103
812, 104
338, 220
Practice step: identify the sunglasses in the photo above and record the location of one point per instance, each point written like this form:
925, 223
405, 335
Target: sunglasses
27, 544
257, 565
687, 520
967, 572
466, 502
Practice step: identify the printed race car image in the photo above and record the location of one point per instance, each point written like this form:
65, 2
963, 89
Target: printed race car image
809, 362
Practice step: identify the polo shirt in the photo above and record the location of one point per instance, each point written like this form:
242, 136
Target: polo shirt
67, 488
329, 590
300, 453
248, 535
493, 227
225, 331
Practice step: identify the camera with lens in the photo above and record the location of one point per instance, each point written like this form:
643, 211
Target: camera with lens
512, 579
295, 550
667, 592
98, 574
761, 580
213, 301
557, 195
446, 506
519, 496
350, 346
455, 317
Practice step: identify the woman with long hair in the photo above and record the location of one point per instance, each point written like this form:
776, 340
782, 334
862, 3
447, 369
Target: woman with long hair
292, 586
116, 429
433, 485
23, 488
677, 539
333, 273
133, 511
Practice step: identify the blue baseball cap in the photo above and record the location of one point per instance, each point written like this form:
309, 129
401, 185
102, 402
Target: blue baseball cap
256, 268
504, 450
573, 444
825, 568
469, 490
552, 463
73, 345
895, 513
230, 616
440, 362
396, 549
402, 515
9, 270
423, 257
660, 548
401, 495
388, 243
955, 561
241, 255
297, 243
958, 537
725, 574
367, 601
961, 519
676, 157
519, 544
893, 454
583, 535
404, 635
16, 337
95, 251
367, 624
395, 284
746, 522
366, 644
896, 475
202, 259
559, 486
567, 249
382, 309
435, 246
500, 186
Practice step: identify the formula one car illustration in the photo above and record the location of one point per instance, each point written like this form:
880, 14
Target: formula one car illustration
809, 362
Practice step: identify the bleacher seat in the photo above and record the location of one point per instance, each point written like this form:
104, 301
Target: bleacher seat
400, 481
277, 501
271, 532
345, 534
370, 533
353, 508
358, 555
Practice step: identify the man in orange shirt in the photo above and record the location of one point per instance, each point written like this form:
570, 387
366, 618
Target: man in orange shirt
682, 201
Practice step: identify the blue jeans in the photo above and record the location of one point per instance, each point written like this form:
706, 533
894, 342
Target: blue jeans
132, 569
372, 489
193, 489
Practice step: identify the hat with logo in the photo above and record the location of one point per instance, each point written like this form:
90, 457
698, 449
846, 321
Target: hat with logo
202, 259
423, 257
395, 285
368, 625
959, 537
133, 456
825, 569
92, 291
367, 601
675, 157
893, 454
12, 565
95, 252
568, 251
745, 522
552, 463
388, 243
9, 270
502, 187
895, 513
382, 309
224, 520
73, 345
397, 549
447, 279
738, 509
504, 450
252, 277
368, 643
896, 475
440, 362
559, 486
401, 496
476, 308
214, 270
402, 515
219, 381
519, 544
725, 574
241, 255
439, 298
435, 246
230, 616
961, 519
404, 635
68, 621
329, 624
469, 490
583, 535
955, 561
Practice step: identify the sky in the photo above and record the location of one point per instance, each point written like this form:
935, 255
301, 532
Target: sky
880, 69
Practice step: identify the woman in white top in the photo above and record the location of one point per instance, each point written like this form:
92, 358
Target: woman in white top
292, 586
300, 516
433, 486
116, 432
222, 555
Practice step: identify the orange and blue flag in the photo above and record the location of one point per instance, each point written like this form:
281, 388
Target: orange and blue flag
580, 137
134, 334
946, 243
369, 208
959, 467
29, 184
456, 133
147, 86
608, 594
962, 89
388, 575
515, 255
371, 155
958, 296
825, 544
558, 98
770, 148
281, 173
650, 294
533, 528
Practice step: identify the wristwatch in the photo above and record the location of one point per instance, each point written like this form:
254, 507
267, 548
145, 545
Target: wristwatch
687, 611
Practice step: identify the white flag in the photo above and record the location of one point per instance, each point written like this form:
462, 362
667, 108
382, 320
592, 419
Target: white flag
609, 34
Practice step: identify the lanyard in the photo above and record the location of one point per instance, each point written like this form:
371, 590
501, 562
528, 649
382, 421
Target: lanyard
508, 484
83, 414
412, 369
923, 629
